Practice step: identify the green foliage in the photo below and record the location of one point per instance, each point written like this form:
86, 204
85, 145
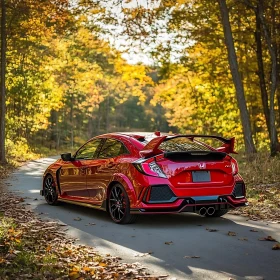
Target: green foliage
66, 83
186, 41
19, 150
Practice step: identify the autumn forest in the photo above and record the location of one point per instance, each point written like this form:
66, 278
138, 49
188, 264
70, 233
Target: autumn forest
72, 69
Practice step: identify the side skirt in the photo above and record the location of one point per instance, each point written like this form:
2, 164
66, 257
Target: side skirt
84, 204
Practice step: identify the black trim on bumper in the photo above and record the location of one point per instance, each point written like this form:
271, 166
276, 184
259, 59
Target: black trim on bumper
193, 204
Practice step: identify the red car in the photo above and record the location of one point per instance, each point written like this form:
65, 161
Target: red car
148, 173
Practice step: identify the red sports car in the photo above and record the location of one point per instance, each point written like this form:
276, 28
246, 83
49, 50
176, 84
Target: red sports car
148, 173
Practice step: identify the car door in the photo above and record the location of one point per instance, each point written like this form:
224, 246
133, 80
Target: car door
101, 170
73, 182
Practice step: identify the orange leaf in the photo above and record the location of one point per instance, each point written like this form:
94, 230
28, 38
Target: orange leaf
276, 247
86, 268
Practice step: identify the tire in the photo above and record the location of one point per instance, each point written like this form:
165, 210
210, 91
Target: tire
217, 213
119, 206
50, 192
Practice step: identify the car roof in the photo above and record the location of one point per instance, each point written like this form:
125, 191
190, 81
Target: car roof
141, 136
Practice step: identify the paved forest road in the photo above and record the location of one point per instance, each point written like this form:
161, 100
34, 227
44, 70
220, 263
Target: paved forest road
221, 256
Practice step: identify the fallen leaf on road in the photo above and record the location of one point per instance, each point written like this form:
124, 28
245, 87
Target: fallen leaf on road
253, 230
62, 225
168, 242
276, 246
191, 257
211, 229
231, 233
268, 238
243, 239
143, 254
77, 219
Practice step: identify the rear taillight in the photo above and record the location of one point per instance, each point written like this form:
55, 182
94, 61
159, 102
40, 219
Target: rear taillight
234, 166
149, 167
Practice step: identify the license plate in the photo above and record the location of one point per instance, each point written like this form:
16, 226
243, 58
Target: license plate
201, 176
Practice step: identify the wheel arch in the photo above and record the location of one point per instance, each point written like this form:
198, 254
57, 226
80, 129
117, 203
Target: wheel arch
53, 174
126, 183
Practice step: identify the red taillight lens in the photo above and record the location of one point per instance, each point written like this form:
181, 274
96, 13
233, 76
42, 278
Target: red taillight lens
234, 166
149, 167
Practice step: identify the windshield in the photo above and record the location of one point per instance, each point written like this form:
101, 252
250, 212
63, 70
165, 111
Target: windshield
181, 144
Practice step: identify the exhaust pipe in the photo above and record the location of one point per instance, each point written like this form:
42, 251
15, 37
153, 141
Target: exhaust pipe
210, 211
202, 211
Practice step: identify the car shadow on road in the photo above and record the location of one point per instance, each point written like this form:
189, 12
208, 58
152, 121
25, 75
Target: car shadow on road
184, 243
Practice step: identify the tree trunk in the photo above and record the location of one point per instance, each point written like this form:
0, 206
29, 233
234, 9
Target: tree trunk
241, 101
274, 78
107, 110
3, 85
261, 75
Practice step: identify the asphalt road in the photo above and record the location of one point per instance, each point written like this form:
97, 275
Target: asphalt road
220, 256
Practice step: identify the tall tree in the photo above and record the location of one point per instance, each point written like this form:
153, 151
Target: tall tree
3, 84
266, 26
240, 95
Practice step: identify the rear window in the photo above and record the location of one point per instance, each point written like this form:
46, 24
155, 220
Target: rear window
181, 144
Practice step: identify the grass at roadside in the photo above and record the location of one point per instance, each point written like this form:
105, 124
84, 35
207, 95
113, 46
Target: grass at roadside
262, 176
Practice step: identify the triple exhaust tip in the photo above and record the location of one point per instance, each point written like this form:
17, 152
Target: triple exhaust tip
203, 211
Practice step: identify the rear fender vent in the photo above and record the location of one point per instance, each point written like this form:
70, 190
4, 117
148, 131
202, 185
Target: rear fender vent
160, 194
239, 190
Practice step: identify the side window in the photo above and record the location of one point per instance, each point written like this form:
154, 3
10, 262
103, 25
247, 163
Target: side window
112, 148
88, 151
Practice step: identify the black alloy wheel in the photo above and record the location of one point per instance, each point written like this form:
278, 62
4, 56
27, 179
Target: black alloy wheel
50, 193
119, 206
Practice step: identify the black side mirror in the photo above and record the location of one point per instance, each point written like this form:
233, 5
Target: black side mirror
66, 157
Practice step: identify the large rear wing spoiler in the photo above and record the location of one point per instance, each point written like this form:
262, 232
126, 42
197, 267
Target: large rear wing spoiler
227, 147
152, 148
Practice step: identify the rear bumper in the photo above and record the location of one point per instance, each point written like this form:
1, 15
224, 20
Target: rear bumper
191, 204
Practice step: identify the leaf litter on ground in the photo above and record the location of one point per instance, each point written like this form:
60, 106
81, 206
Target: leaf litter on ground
276, 246
211, 229
268, 238
48, 253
